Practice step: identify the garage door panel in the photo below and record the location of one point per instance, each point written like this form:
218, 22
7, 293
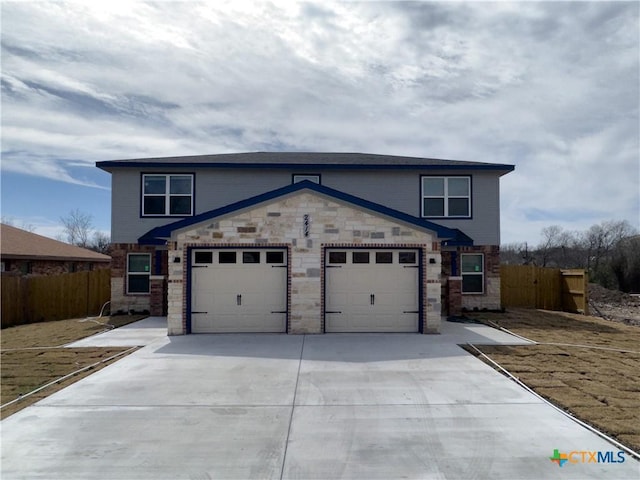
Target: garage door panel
239, 297
234, 323
359, 300
201, 321
402, 323
372, 297
335, 300
406, 298
339, 280
219, 323
222, 301
360, 321
390, 299
201, 302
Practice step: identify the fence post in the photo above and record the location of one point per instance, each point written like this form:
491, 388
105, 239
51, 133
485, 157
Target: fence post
585, 289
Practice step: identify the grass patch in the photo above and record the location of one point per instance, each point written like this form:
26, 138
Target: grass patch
33, 355
60, 332
600, 386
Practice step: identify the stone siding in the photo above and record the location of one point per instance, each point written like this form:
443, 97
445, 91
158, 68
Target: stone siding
122, 303
328, 224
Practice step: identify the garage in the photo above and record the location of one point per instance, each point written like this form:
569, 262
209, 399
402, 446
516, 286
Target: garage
372, 290
235, 290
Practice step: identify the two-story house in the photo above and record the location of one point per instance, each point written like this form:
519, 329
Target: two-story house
304, 242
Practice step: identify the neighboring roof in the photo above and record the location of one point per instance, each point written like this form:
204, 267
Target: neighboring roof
16, 243
158, 235
303, 159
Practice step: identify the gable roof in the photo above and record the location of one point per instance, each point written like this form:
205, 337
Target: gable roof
303, 159
158, 235
16, 243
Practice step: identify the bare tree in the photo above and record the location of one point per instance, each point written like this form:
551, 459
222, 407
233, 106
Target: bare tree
516, 254
625, 264
551, 242
24, 226
599, 242
609, 251
509, 254
77, 228
101, 243
559, 248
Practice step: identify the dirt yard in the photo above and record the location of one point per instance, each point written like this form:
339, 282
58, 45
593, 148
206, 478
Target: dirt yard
33, 355
614, 305
588, 366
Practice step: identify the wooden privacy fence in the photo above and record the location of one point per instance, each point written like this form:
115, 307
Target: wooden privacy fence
56, 297
546, 288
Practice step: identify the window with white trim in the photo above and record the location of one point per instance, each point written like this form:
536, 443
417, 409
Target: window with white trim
472, 267
138, 272
167, 195
446, 197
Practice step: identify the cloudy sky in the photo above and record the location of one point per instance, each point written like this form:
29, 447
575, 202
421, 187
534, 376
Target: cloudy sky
552, 87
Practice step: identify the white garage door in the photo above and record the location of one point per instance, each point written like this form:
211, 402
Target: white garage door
238, 290
371, 290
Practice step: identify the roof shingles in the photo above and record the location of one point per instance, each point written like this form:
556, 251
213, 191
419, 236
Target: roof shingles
16, 243
302, 159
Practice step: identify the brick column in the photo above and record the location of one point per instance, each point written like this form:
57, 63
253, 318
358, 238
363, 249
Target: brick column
158, 289
454, 296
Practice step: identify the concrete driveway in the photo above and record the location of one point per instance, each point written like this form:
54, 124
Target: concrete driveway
362, 406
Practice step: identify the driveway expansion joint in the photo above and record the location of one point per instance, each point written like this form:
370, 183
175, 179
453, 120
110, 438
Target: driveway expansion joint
293, 406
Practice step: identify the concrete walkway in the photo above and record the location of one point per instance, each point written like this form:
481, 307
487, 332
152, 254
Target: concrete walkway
361, 406
139, 333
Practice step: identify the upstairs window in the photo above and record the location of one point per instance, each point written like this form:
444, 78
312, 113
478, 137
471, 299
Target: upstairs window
446, 197
167, 195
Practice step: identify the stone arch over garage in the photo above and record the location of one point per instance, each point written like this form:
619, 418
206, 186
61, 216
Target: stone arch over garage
304, 221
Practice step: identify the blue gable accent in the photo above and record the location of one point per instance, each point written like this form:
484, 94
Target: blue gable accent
460, 240
156, 235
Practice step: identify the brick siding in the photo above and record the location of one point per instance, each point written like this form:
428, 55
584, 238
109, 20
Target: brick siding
50, 267
120, 299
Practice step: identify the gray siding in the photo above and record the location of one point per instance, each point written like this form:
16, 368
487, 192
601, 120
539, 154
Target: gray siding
484, 226
215, 188
401, 190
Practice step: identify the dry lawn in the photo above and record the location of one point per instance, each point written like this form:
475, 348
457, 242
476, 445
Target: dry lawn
600, 386
33, 355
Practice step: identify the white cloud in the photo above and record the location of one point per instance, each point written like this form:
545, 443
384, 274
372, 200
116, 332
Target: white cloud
549, 86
